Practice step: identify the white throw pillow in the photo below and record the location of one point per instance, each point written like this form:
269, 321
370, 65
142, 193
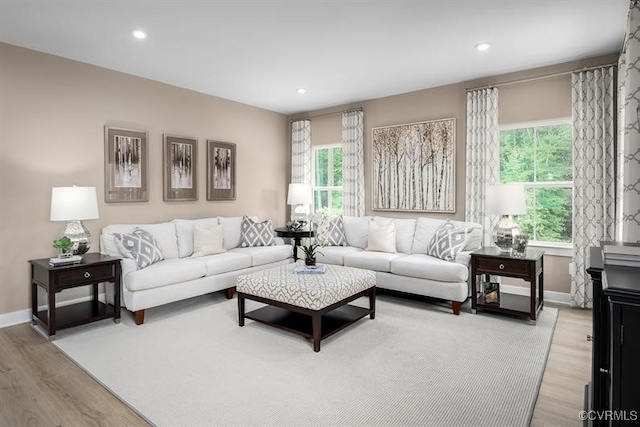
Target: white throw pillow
382, 237
207, 241
184, 233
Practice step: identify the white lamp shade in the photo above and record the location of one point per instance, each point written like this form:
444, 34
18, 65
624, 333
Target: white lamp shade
505, 199
299, 194
73, 203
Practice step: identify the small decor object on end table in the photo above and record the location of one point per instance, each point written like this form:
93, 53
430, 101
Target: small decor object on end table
492, 293
520, 245
296, 235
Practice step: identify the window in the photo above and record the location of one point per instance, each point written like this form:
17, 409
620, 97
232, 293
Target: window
539, 155
327, 179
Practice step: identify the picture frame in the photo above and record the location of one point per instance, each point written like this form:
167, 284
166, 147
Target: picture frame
414, 167
180, 168
125, 165
221, 170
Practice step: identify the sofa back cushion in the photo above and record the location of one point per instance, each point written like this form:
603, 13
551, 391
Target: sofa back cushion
405, 229
232, 233
184, 233
164, 233
426, 229
356, 230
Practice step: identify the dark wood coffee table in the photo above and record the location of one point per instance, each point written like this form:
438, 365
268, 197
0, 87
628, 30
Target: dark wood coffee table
315, 306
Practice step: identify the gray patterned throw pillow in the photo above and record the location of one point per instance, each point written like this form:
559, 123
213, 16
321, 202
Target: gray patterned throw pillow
330, 233
256, 233
447, 241
140, 246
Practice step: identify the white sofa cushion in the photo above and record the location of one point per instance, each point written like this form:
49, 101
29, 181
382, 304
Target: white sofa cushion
335, 254
382, 236
261, 255
427, 267
207, 241
356, 229
166, 272
426, 229
165, 234
405, 230
228, 261
232, 230
376, 261
184, 233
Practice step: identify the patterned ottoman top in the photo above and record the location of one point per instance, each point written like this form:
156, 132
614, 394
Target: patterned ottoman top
312, 291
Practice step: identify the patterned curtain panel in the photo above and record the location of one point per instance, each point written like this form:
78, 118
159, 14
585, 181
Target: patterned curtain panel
353, 163
301, 152
628, 206
483, 155
593, 94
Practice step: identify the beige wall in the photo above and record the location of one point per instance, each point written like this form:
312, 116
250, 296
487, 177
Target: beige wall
545, 99
52, 115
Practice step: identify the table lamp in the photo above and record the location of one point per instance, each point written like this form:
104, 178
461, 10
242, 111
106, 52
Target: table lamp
505, 200
74, 204
299, 197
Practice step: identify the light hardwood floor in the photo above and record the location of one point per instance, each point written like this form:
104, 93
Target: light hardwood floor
40, 386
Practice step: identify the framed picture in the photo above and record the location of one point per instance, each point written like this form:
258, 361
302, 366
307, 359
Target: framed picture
180, 168
125, 165
414, 167
221, 170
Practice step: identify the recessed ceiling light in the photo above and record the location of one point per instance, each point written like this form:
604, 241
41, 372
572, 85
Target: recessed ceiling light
483, 46
139, 34
301, 91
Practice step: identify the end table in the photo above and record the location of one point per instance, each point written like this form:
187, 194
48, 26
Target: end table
94, 268
530, 267
296, 235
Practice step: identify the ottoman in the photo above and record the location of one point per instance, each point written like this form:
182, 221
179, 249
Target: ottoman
312, 305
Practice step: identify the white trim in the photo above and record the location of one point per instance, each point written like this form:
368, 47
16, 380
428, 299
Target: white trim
553, 248
556, 297
24, 316
536, 123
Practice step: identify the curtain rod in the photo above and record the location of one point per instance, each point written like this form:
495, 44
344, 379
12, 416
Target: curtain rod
326, 114
546, 76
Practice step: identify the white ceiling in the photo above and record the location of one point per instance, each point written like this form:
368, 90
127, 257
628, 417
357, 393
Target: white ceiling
342, 51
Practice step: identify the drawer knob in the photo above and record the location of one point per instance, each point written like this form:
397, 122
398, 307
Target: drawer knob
501, 266
87, 274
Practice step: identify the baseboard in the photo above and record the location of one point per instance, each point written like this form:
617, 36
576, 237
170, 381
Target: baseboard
561, 298
24, 316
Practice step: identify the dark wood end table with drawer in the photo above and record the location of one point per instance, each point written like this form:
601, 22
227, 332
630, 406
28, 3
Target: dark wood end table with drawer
95, 268
530, 267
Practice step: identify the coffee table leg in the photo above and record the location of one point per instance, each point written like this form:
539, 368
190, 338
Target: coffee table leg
372, 303
240, 309
315, 326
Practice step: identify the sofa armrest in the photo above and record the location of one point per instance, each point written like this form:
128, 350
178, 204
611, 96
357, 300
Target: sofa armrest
463, 257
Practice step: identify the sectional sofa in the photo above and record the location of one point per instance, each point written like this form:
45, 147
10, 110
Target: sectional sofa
401, 263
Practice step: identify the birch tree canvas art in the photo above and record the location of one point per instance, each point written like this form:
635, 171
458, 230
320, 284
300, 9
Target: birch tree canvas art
413, 167
125, 165
180, 168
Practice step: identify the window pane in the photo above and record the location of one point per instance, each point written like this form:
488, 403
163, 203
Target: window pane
517, 155
322, 167
337, 167
554, 153
549, 214
336, 203
320, 200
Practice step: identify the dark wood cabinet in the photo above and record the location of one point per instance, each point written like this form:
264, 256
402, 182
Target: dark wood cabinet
612, 395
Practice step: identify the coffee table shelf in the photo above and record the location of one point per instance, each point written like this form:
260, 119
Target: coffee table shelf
301, 324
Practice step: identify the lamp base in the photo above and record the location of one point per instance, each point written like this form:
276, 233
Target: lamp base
504, 232
79, 235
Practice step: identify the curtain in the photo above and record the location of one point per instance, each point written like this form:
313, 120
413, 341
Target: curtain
483, 155
593, 94
628, 162
300, 152
353, 163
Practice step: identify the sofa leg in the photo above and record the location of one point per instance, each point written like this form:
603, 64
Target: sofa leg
230, 292
138, 317
457, 306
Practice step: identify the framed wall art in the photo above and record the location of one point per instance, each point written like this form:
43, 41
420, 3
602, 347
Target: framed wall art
126, 165
414, 167
221, 170
180, 168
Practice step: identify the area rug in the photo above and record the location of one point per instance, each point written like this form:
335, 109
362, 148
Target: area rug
190, 364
